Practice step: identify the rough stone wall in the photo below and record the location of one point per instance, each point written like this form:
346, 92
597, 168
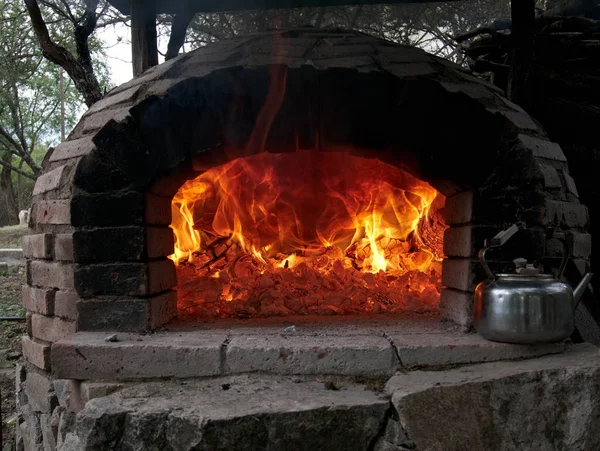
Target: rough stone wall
548, 403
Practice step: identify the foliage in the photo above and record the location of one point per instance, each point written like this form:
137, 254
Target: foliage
30, 108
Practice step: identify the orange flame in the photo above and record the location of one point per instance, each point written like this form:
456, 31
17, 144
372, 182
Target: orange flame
304, 209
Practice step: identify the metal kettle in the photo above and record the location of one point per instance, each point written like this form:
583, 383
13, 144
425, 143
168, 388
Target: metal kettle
525, 307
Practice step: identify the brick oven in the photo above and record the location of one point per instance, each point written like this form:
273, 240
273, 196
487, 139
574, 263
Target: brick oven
316, 106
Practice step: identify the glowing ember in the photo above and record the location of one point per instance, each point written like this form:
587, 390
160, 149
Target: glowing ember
307, 233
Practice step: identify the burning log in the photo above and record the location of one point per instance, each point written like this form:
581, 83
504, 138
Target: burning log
267, 252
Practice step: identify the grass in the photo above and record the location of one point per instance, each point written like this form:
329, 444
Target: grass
10, 236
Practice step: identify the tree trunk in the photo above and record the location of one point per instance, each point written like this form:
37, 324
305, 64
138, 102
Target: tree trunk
6, 188
520, 82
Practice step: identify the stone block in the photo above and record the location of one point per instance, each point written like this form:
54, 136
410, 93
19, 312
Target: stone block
457, 306
38, 388
31, 432
160, 242
62, 388
51, 274
291, 415
458, 241
72, 148
107, 209
569, 214
506, 402
459, 274
349, 356
63, 247
65, 304
38, 246
49, 181
459, 208
51, 328
109, 244
87, 356
157, 210
36, 353
551, 177
52, 212
118, 279
49, 439
542, 148
38, 300
161, 276
460, 348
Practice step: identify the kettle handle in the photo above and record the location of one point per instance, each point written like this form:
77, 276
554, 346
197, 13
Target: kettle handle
483, 262
500, 238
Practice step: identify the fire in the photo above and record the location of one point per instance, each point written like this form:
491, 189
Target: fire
307, 232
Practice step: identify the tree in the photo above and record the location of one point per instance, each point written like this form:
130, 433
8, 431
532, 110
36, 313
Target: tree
30, 119
73, 52
430, 26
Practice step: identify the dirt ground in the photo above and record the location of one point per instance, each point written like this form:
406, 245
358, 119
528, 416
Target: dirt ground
10, 348
10, 236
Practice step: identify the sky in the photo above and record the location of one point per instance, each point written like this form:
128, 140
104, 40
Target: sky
118, 51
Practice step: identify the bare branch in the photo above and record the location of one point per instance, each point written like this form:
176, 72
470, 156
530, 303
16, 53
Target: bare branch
17, 170
81, 72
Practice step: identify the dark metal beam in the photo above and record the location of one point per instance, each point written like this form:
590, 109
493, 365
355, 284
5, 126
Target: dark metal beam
210, 6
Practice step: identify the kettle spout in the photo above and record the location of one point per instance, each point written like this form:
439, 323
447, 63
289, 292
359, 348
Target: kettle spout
581, 287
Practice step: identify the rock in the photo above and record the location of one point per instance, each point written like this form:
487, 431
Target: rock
548, 403
255, 413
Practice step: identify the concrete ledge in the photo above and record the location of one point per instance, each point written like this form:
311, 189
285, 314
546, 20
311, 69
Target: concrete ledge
368, 347
12, 257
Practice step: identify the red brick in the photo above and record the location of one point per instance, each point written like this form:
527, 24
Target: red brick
457, 306
63, 247
542, 148
37, 246
161, 276
582, 244
65, 304
159, 241
459, 208
36, 353
38, 300
53, 212
163, 308
49, 181
51, 274
458, 241
72, 149
158, 210
458, 273
51, 328
567, 214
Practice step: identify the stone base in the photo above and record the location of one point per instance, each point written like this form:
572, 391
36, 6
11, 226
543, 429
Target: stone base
544, 403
